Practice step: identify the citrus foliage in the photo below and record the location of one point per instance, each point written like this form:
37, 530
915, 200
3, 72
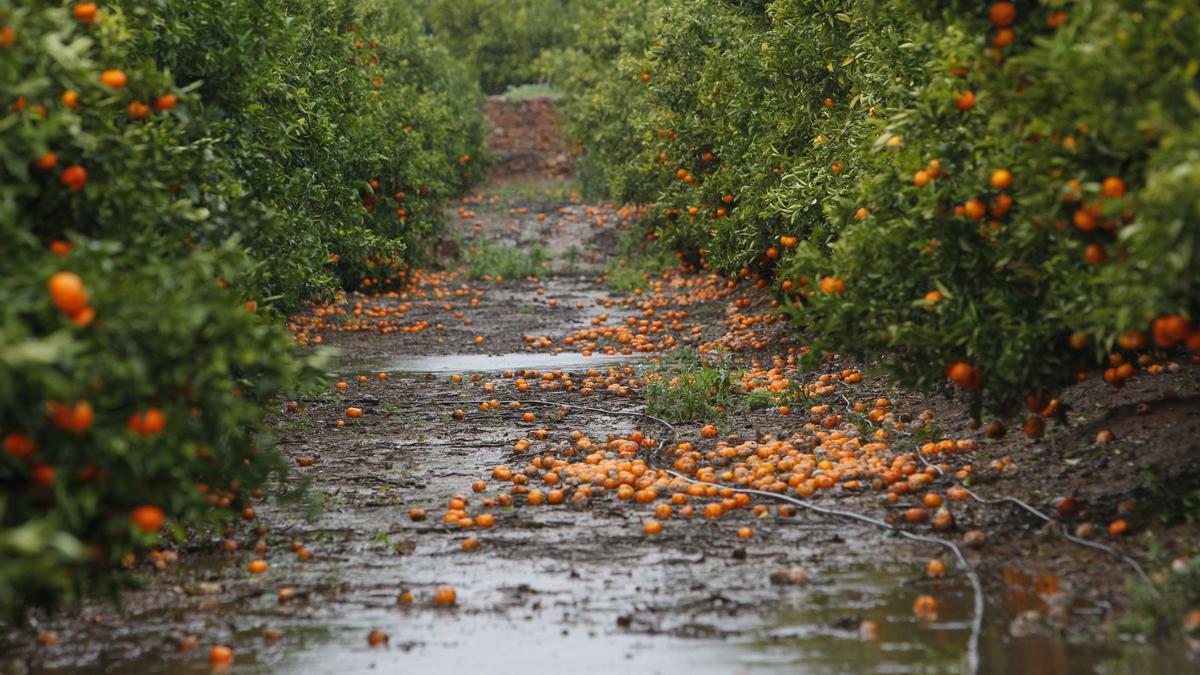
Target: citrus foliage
168, 173
500, 39
997, 194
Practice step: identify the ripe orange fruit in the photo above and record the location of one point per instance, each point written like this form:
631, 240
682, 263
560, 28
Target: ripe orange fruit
713, 510
1002, 179
19, 445
75, 418
42, 475
444, 596
114, 78
148, 423
975, 208
138, 110
1003, 14
788, 241
166, 102
1171, 330
86, 12
926, 608
376, 638
220, 656
832, 286
74, 177
1118, 527
1113, 187
965, 100
147, 518
708, 431
936, 569
354, 413
46, 162
67, 292
745, 533
1095, 254
916, 515
257, 566
652, 527
920, 178
965, 375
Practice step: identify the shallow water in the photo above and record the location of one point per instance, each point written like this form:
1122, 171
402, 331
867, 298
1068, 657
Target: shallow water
486, 363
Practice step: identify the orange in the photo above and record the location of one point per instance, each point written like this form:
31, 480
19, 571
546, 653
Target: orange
147, 518
354, 413
257, 566
936, 569
965, 375
1118, 527
74, 177
19, 445
376, 638
1113, 187
114, 78
926, 608
1003, 14
652, 527
1002, 179
220, 656
86, 12
965, 100
46, 162
166, 102
67, 292
444, 595
75, 418
42, 475
975, 208
138, 110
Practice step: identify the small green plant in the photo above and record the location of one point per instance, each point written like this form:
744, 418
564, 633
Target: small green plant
485, 259
637, 264
685, 387
1160, 607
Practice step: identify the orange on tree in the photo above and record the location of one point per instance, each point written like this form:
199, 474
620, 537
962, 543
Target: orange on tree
147, 518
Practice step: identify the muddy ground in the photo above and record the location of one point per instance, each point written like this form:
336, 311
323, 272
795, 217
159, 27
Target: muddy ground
578, 587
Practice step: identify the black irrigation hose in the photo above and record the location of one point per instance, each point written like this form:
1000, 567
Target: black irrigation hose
1066, 534
976, 586
1062, 526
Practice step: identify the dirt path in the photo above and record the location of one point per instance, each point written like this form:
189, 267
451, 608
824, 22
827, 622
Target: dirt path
577, 586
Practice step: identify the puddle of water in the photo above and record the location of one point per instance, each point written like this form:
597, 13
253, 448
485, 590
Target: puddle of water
480, 363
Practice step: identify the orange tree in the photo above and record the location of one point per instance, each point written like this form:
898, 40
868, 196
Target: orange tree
344, 122
132, 398
146, 222
990, 195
